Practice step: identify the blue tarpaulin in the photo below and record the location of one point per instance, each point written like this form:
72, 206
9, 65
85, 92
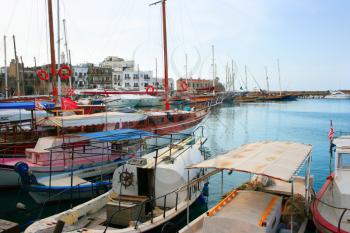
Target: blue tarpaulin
25, 105
118, 135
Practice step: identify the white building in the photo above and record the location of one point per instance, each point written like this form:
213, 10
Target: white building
137, 80
80, 74
117, 63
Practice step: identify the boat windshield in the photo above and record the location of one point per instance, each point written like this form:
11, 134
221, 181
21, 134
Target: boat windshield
344, 161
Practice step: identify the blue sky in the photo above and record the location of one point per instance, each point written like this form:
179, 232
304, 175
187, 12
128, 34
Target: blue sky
311, 38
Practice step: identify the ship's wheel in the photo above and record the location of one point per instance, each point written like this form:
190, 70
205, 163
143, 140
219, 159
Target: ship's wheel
126, 178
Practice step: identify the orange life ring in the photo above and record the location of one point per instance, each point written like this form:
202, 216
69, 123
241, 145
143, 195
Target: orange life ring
66, 74
149, 89
42, 74
184, 86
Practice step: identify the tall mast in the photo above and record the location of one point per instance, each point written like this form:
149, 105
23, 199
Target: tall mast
186, 66
52, 44
166, 85
157, 74
58, 52
246, 77
17, 69
233, 77
267, 81
279, 76
213, 60
67, 51
6, 87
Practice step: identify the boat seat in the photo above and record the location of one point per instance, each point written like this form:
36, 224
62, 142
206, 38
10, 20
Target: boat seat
130, 198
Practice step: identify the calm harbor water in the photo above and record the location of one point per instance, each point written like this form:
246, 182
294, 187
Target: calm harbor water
230, 126
306, 121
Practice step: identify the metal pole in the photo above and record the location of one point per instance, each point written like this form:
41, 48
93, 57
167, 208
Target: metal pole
246, 77
71, 178
6, 85
58, 52
213, 64
186, 66
233, 77
279, 76
22, 77
188, 196
156, 74
17, 69
67, 51
166, 83
267, 81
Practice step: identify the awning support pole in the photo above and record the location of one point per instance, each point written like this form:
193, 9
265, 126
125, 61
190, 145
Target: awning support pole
188, 196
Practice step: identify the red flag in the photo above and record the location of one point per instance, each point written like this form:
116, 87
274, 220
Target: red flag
331, 133
68, 104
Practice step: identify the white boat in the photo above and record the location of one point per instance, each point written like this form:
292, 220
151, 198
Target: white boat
337, 95
121, 101
331, 206
147, 192
268, 200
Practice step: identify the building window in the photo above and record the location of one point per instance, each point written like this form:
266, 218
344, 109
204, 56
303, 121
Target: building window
127, 76
127, 84
136, 85
118, 77
146, 84
146, 76
136, 76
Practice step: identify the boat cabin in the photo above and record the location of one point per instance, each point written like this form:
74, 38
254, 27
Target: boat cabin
342, 169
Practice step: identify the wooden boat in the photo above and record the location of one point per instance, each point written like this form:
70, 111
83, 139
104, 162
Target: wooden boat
330, 208
140, 199
53, 155
276, 200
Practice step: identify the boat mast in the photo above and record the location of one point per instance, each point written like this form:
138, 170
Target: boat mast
167, 106
17, 69
213, 58
246, 77
233, 77
156, 74
67, 51
279, 76
6, 87
58, 51
267, 81
52, 44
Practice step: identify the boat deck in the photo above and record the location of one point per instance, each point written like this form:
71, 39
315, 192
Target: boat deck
245, 211
65, 181
284, 188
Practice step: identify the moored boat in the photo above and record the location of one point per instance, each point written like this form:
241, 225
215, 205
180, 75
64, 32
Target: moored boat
140, 199
276, 200
331, 206
337, 95
53, 155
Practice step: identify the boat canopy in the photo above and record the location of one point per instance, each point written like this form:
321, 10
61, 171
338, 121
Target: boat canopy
342, 142
118, 135
276, 159
90, 119
25, 105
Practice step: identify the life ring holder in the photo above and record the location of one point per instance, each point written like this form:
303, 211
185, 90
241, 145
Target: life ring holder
42, 75
66, 75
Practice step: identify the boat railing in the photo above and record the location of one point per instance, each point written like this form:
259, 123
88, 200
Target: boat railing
94, 192
193, 188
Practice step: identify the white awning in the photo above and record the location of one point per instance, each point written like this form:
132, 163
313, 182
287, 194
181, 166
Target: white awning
90, 119
275, 159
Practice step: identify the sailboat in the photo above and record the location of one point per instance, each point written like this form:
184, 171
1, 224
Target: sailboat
140, 200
